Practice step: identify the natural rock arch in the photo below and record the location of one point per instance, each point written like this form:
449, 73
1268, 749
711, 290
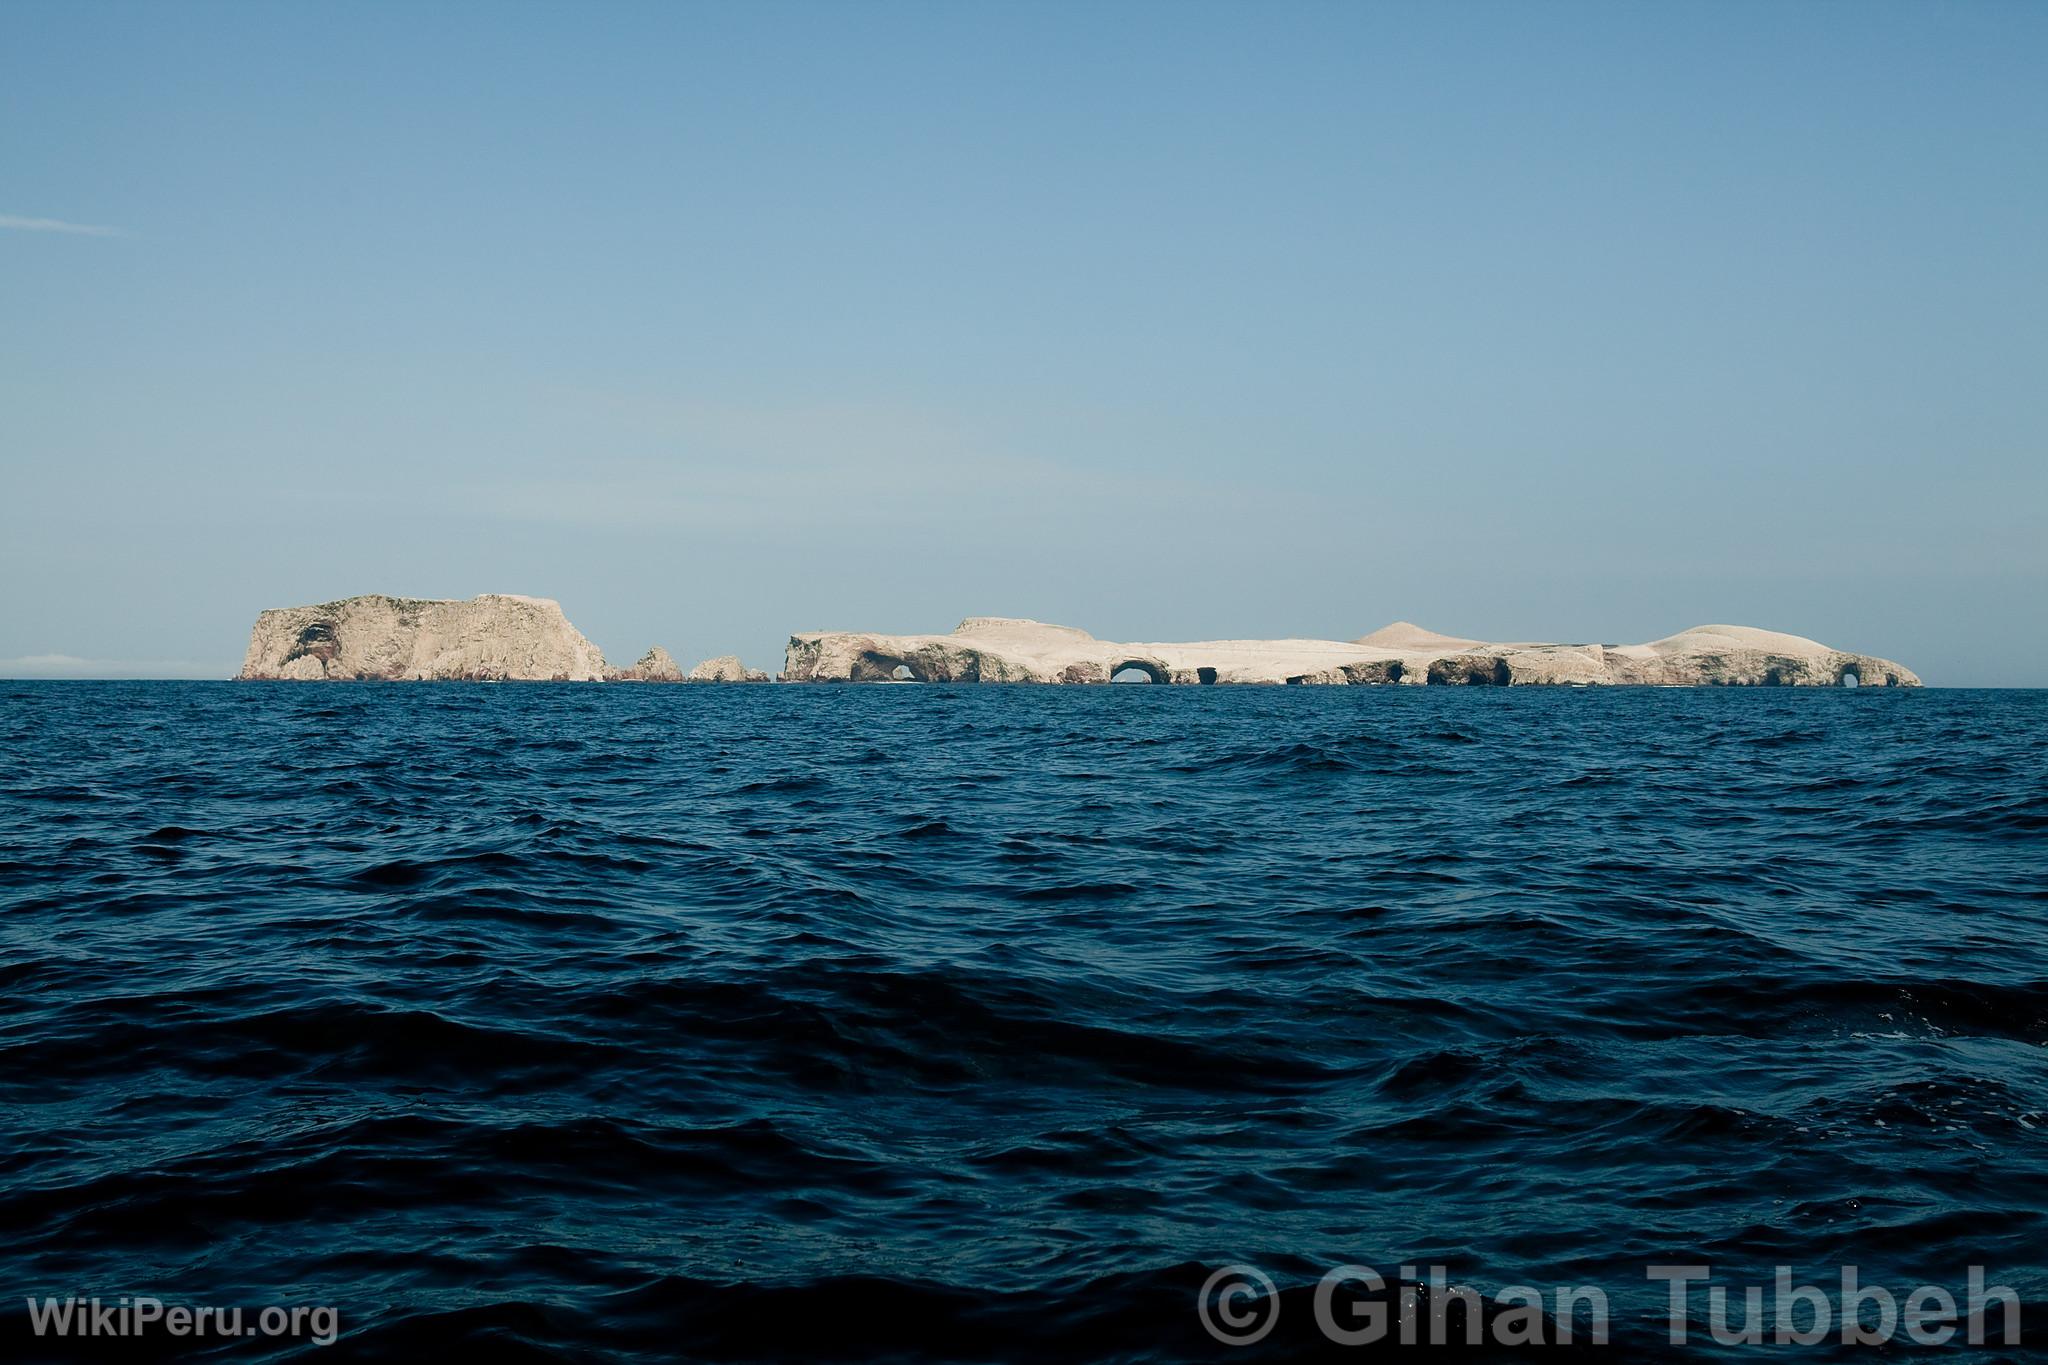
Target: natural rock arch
1470, 671
318, 641
1153, 672
876, 666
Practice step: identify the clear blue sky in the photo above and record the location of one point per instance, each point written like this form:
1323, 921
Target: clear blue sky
1171, 321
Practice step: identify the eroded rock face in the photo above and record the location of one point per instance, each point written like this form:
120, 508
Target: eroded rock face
1743, 656
726, 668
1007, 649
656, 665
493, 638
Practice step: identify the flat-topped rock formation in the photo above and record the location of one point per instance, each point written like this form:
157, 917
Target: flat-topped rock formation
498, 637
1005, 649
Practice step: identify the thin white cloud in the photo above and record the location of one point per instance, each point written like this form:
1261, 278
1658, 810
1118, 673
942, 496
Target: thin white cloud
21, 224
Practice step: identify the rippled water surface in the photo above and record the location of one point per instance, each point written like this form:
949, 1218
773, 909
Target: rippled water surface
802, 1022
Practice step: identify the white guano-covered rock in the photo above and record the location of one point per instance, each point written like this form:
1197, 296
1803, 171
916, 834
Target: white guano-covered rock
1010, 649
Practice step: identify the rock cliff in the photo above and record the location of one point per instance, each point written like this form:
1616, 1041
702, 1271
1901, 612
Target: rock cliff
493, 638
1005, 649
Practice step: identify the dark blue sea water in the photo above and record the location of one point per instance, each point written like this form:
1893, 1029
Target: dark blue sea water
782, 1023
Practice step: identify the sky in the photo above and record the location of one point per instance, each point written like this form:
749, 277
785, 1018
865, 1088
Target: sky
1583, 322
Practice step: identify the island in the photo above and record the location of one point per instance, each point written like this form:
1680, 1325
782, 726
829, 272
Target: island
497, 637
986, 649
503, 637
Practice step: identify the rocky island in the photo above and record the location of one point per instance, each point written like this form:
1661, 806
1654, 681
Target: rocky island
501, 637
1007, 649
498, 637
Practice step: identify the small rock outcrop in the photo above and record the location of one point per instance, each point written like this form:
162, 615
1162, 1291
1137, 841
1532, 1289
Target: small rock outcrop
726, 668
1009, 649
497, 637
656, 665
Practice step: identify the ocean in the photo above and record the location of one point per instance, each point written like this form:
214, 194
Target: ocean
563, 1022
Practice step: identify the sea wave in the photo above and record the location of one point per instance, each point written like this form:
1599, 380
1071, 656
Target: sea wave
989, 1023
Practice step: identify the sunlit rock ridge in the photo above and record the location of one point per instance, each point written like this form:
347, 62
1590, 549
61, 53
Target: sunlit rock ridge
498, 637
1006, 649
